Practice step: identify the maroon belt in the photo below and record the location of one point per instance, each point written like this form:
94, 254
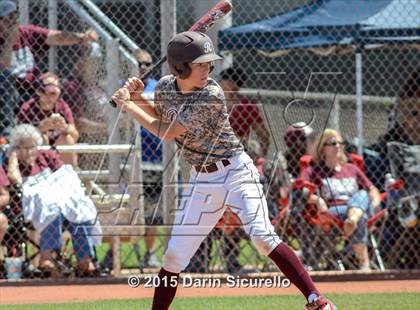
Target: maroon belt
212, 167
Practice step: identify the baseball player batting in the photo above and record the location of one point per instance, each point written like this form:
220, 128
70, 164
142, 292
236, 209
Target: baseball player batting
190, 108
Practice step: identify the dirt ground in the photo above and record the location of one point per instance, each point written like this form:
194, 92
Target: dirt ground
80, 293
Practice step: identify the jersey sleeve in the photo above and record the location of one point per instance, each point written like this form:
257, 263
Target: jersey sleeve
37, 38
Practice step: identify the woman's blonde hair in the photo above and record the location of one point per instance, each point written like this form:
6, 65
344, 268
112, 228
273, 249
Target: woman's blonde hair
321, 139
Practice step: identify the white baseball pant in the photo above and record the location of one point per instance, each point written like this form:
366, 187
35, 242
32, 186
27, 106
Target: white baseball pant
203, 203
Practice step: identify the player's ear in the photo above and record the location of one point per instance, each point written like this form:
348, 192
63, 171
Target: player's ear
183, 71
211, 66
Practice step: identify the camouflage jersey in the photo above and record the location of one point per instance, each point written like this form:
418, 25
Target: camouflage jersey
209, 137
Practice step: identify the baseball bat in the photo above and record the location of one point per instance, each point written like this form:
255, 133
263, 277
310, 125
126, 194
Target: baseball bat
207, 21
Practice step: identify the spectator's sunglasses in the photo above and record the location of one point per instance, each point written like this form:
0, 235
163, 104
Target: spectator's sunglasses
335, 143
144, 63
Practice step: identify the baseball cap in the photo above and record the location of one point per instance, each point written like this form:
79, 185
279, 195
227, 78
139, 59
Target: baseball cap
7, 7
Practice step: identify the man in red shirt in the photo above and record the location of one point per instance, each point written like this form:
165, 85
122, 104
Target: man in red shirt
51, 115
244, 114
31, 43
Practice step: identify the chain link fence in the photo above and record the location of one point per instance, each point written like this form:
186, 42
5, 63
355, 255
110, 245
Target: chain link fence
288, 73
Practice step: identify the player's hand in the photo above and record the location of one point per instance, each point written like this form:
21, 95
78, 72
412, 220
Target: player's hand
121, 96
135, 87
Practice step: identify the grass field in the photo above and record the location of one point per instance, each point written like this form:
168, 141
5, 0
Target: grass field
406, 301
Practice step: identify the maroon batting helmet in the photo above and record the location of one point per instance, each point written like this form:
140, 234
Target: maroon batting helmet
296, 134
189, 47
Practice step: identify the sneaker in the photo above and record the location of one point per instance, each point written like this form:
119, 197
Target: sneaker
365, 267
150, 260
321, 303
29, 271
2, 270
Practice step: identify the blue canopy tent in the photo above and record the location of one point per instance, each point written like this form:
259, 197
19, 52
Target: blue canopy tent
330, 26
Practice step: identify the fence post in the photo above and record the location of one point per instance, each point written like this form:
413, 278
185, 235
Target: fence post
52, 24
335, 115
359, 102
23, 12
112, 69
168, 29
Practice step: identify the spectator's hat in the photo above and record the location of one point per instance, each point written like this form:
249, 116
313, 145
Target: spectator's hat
7, 7
48, 82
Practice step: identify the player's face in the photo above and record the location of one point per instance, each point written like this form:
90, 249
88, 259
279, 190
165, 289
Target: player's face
199, 74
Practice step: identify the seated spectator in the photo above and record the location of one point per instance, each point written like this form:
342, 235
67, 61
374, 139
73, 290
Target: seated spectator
344, 191
9, 98
244, 114
38, 179
51, 115
30, 44
397, 154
